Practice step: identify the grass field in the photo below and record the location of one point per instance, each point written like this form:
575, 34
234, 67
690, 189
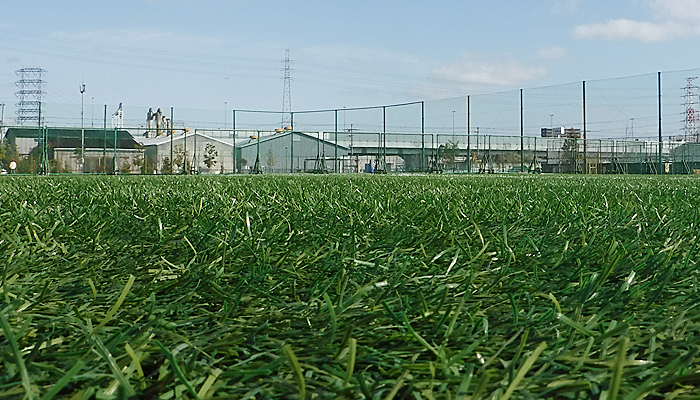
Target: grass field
351, 287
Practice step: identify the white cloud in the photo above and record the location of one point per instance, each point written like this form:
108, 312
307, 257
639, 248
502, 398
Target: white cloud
494, 72
552, 52
673, 19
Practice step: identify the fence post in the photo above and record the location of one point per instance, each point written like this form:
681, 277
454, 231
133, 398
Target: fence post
585, 142
661, 143
469, 152
522, 161
422, 136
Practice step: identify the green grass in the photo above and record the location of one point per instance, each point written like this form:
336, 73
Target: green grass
519, 287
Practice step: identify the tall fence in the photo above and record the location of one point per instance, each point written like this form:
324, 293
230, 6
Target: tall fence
640, 124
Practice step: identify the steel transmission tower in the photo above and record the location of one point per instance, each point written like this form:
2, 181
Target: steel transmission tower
29, 95
287, 97
691, 114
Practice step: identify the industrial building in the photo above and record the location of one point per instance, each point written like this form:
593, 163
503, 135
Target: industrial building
214, 151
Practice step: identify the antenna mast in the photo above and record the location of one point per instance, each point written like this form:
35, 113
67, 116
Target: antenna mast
287, 97
691, 116
29, 95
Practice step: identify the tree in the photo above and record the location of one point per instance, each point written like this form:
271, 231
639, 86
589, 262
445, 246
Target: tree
125, 165
448, 153
570, 155
166, 167
210, 155
270, 158
180, 158
138, 162
8, 152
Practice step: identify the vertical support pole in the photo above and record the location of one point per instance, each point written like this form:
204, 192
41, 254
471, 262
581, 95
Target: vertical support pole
43, 143
585, 136
534, 156
437, 149
522, 130
234, 142
661, 143
336, 164
194, 153
489, 154
422, 136
432, 152
384, 140
115, 167
291, 152
104, 143
171, 140
469, 123
185, 158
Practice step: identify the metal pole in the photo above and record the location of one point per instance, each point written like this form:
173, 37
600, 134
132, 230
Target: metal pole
585, 138
194, 153
469, 122
115, 167
384, 142
41, 140
104, 143
82, 127
422, 136
184, 156
534, 156
291, 148
522, 161
171, 140
234, 141
335, 162
660, 139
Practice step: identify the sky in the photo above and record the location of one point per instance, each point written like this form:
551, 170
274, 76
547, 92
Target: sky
228, 54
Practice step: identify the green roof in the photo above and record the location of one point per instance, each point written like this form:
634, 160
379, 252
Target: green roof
71, 137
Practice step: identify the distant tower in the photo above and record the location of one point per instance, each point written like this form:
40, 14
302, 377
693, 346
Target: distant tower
29, 95
287, 97
691, 114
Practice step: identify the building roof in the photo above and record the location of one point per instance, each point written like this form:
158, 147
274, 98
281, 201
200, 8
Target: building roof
240, 142
72, 137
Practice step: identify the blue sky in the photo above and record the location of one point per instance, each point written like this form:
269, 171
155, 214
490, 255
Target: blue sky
212, 54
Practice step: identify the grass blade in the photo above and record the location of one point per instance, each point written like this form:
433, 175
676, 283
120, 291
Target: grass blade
296, 369
18, 356
65, 379
523, 370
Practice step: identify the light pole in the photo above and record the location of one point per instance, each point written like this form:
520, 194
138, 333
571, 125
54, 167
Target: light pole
453, 123
92, 113
225, 111
551, 123
82, 126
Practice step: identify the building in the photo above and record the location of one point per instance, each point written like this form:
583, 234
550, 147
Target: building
561, 132
214, 151
103, 148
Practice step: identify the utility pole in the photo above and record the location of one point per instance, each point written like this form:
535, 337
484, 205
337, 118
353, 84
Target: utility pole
82, 127
171, 139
